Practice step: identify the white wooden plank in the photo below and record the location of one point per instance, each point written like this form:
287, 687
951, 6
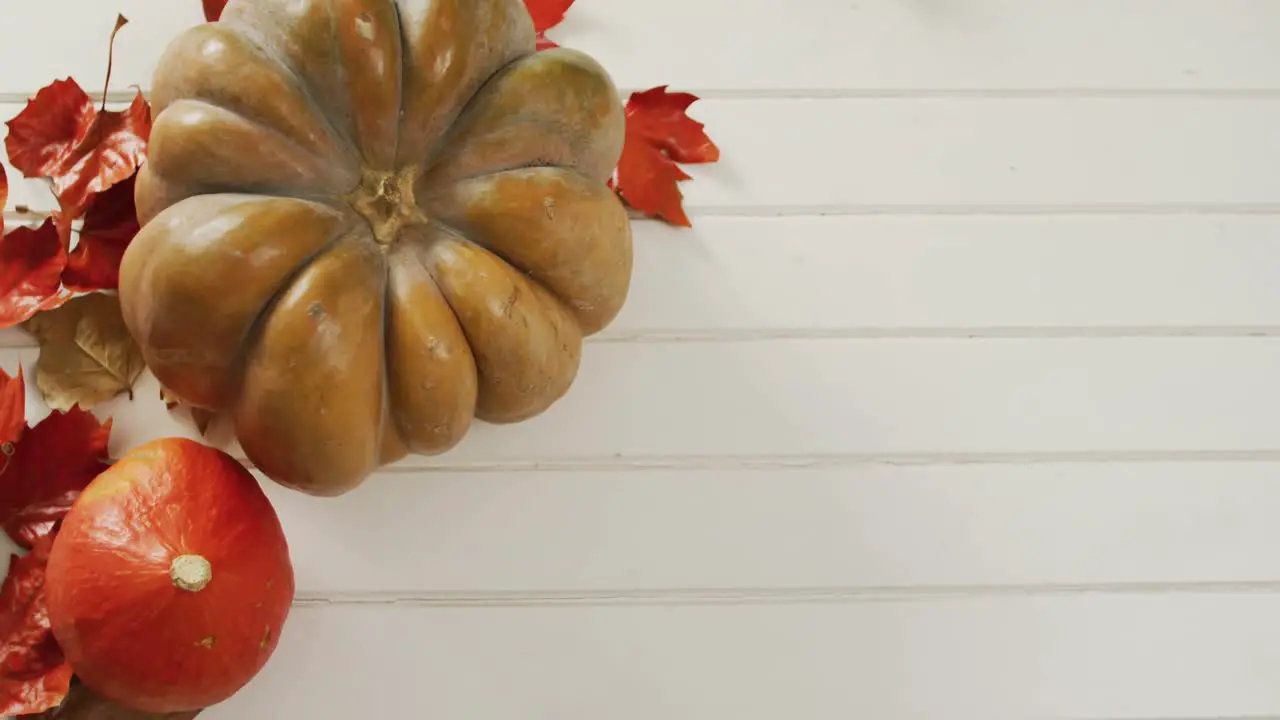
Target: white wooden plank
858, 528
1023, 154
826, 46
899, 275
876, 274
887, 45
911, 154
921, 396
1085, 656
940, 398
1020, 153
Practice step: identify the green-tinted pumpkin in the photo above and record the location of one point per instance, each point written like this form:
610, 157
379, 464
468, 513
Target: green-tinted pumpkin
368, 221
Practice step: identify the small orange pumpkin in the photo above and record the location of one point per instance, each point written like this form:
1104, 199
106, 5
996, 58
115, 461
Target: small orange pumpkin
367, 222
169, 582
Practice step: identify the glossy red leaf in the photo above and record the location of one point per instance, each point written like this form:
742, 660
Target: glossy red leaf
34, 675
81, 149
660, 134
13, 412
213, 9
545, 43
31, 265
41, 135
51, 464
109, 226
60, 135
547, 14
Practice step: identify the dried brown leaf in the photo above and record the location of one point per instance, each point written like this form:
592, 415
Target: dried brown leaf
169, 399
202, 417
86, 353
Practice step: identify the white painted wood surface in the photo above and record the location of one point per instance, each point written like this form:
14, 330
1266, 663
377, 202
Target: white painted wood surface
960, 400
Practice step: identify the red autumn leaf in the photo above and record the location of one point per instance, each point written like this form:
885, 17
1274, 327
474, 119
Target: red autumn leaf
202, 417
13, 411
545, 43
61, 136
4, 195
659, 135
31, 264
83, 150
213, 9
547, 14
109, 226
34, 675
51, 464
40, 135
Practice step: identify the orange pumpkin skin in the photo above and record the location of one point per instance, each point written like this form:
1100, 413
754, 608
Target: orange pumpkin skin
170, 579
368, 222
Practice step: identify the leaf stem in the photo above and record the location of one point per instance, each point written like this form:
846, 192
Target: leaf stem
121, 21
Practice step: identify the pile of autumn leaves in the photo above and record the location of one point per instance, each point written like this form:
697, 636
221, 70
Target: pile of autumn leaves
90, 157
45, 468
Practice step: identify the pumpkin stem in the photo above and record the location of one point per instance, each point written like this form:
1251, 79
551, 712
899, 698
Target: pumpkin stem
385, 200
190, 572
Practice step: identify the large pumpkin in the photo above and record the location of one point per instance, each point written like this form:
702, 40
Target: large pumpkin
368, 221
170, 581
